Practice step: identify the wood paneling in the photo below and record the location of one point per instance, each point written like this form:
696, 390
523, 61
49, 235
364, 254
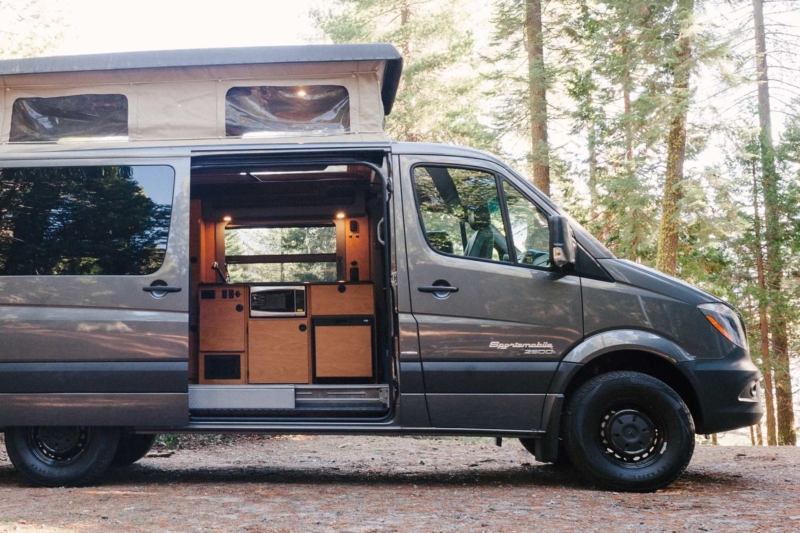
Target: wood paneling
222, 326
278, 350
358, 299
357, 248
208, 250
343, 351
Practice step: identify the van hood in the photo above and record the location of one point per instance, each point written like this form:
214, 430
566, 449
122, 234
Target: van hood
630, 273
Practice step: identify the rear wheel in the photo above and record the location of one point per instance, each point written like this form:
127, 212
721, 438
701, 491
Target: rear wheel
61, 456
131, 448
628, 431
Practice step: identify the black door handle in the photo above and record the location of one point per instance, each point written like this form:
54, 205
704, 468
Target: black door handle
437, 288
161, 288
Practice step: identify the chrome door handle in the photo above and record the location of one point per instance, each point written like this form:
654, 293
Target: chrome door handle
437, 288
161, 288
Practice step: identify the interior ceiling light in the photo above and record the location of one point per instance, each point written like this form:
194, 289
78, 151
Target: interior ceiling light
301, 93
339, 215
227, 218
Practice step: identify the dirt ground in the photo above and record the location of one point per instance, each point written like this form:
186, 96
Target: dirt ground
366, 484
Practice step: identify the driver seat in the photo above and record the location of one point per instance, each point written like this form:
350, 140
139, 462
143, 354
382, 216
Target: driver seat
481, 243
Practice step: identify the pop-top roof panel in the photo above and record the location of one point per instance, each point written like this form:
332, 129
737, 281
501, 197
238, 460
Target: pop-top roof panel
185, 94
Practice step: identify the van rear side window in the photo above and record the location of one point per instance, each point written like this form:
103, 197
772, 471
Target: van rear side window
279, 110
99, 220
83, 116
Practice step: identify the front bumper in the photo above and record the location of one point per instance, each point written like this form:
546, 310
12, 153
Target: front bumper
728, 392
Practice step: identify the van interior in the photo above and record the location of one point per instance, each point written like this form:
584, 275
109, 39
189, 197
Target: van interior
288, 314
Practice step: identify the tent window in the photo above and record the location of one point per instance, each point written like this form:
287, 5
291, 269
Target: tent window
81, 116
273, 110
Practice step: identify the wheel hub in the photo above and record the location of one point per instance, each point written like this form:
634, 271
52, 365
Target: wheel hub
629, 434
58, 443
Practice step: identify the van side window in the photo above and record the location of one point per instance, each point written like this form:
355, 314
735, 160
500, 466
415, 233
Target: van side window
63, 117
265, 111
530, 232
461, 213
109, 220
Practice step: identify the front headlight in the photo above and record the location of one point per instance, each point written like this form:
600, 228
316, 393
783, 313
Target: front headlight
726, 321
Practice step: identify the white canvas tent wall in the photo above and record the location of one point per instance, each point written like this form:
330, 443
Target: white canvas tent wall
180, 95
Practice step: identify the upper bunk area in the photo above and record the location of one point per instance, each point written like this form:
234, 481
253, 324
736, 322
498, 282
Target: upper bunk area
294, 94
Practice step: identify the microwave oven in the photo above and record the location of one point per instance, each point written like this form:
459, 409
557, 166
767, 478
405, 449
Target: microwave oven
277, 301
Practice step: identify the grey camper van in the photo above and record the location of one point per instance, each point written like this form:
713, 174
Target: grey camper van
226, 241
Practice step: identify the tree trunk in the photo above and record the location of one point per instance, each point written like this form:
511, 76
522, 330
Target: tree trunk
774, 266
766, 360
592, 146
667, 258
626, 101
537, 91
759, 435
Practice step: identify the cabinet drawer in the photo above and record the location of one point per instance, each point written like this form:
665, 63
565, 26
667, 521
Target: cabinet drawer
357, 299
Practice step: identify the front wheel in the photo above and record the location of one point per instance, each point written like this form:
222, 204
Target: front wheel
628, 431
61, 456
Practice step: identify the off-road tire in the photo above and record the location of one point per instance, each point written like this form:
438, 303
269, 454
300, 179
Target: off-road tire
97, 448
131, 448
600, 422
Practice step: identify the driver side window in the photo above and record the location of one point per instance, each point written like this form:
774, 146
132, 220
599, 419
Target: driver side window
530, 232
461, 213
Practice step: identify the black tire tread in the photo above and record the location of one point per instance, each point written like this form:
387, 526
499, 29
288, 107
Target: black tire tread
98, 467
579, 397
132, 447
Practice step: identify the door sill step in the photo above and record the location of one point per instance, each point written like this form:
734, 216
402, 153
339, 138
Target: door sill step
283, 398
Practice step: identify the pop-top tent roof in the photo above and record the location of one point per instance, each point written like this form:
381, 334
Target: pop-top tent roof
202, 93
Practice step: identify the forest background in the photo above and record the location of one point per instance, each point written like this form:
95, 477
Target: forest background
669, 128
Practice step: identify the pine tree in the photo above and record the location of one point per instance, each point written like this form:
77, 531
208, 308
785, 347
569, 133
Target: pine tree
518, 39
773, 236
439, 94
681, 67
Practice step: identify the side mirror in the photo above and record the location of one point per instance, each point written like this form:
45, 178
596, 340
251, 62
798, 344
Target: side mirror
562, 242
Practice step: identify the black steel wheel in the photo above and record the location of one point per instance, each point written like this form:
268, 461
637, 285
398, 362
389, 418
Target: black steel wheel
628, 431
60, 456
132, 447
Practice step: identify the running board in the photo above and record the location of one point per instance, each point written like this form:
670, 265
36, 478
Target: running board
287, 397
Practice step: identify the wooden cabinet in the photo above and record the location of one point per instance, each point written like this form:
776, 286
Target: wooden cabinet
331, 300
278, 350
223, 321
343, 348
223, 333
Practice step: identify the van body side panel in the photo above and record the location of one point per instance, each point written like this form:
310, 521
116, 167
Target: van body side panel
96, 409
53, 326
496, 342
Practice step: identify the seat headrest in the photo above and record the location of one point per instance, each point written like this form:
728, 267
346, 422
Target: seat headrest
480, 217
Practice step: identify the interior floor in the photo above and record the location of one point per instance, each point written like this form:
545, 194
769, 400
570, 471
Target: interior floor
287, 305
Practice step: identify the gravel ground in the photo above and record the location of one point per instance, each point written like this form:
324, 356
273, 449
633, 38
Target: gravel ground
365, 484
